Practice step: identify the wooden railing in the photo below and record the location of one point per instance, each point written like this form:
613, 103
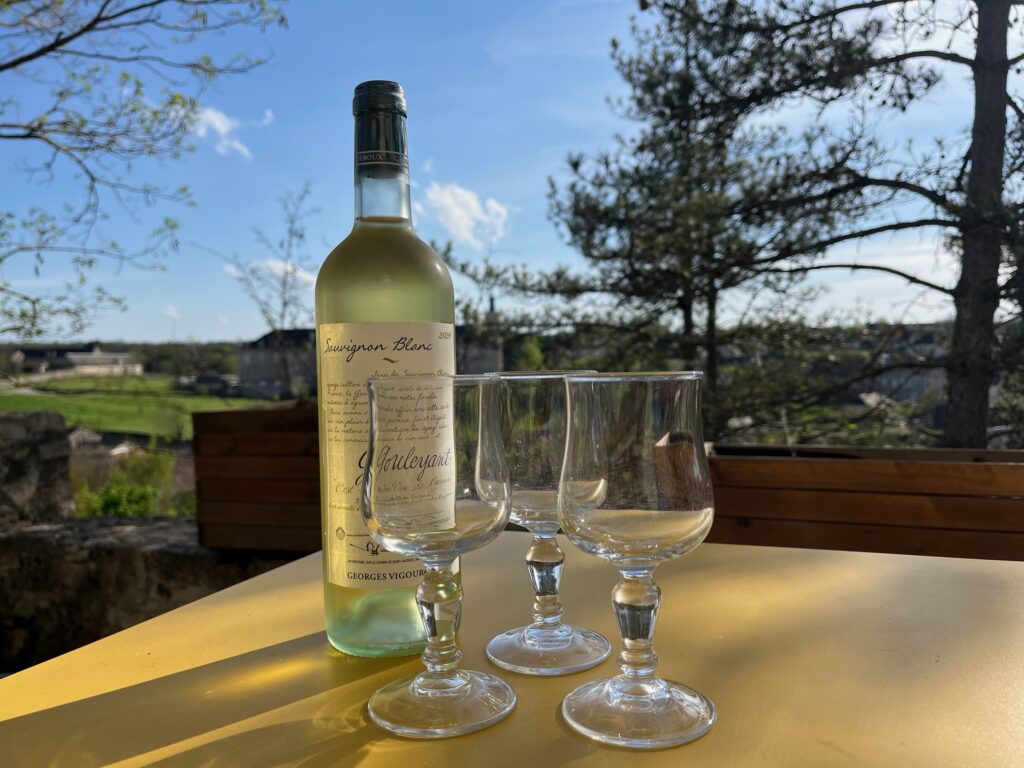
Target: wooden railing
257, 479
910, 502
257, 487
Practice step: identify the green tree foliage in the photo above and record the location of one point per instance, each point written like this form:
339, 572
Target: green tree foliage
789, 380
116, 81
863, 63
528, 355
1009, 407
666, 227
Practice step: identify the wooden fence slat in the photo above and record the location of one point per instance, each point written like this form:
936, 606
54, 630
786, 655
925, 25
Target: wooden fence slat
870, 475
289, 467
257, 490
257, 444
987, 545
259, 537
968, 455
248, 514
912, 510
270, 419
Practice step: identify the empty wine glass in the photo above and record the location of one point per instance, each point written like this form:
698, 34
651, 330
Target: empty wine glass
436, 487
533, 431
635, 491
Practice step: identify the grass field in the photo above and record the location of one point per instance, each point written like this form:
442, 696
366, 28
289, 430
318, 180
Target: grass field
152, 384
144, 405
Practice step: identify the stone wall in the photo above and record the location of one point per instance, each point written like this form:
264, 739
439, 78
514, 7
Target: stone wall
67, 583
34, 480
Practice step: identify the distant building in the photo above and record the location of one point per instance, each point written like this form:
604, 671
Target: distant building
913, 344
216, 384
473, 357
279, 364
282, 364
83, 360
911, 384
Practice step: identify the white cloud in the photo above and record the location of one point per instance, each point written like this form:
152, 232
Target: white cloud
278, 267
274, 268
428, 166
460, 211
223, 320
170, 312
223, 130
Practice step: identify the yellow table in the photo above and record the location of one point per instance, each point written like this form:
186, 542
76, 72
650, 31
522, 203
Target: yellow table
813, 658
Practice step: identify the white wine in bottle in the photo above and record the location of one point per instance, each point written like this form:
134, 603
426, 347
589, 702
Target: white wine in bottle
384, 306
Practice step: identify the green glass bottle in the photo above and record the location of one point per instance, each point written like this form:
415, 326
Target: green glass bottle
384, 306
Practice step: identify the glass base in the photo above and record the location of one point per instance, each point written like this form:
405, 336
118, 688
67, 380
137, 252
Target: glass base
531, 652
648, 714
425, 707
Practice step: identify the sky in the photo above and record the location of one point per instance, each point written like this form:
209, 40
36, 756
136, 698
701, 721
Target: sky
498, 95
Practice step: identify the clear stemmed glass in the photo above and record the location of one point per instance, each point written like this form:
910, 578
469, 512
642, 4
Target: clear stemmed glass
436, 487
635, 491
533, 431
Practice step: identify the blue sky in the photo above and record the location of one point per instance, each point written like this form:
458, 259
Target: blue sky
498, 94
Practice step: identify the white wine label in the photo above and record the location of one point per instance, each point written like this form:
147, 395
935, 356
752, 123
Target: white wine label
349, 354
382, 157
413, 463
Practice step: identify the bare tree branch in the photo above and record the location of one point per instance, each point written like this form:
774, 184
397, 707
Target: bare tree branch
853, 267
947, 56
98, 118
938, 199
821, 245
804, 21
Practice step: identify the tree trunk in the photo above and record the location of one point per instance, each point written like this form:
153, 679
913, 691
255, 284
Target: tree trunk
711, 363
687, 347
684, 303
976, 296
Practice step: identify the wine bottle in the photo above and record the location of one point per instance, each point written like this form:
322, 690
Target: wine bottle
384, 306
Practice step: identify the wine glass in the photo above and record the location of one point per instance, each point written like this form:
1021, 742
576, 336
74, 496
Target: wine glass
635, 491
436, 487
533, 431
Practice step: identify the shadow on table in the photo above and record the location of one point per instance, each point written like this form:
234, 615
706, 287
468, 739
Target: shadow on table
141, 718
339, 735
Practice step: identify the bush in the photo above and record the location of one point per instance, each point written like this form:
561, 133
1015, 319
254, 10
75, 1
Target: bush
153, 468
183, 504
139, 485
120, 499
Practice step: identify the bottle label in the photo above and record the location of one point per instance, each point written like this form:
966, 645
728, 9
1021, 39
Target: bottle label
382, 157
350, 353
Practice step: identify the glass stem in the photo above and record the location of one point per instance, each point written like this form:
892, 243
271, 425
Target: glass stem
439, 599
544, 561
637, 598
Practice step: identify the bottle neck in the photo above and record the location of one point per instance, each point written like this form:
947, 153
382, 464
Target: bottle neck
382, 166
382, 192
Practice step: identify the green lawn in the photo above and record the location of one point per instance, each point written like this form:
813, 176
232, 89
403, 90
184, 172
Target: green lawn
154, 384
144, 405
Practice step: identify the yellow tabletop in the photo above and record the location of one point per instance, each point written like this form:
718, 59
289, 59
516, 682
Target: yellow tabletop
813, 658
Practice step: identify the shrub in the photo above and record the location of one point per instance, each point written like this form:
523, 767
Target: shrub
139, 485
120, 499
183, 504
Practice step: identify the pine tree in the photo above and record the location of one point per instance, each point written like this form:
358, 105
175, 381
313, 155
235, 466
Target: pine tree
861, 63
